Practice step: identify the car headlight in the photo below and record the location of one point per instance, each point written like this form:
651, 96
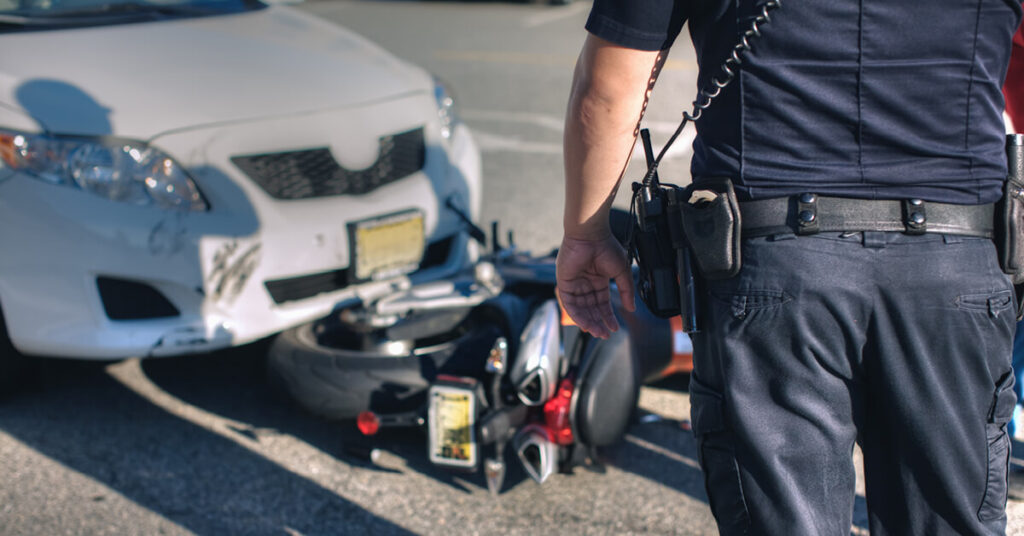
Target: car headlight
446, 109
119, 170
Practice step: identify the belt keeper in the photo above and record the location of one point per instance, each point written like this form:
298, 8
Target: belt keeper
915, 217
806, 214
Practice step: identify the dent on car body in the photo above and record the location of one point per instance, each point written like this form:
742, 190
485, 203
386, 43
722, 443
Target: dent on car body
168, 235
192, 339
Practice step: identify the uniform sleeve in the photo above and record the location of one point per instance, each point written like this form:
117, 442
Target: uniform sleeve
638, 24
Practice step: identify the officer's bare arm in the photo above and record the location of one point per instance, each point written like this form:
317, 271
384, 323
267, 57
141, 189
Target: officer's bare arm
610, 89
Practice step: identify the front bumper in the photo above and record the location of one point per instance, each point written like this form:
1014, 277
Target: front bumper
214, 267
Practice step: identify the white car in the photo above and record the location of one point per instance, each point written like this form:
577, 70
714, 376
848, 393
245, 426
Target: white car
179, 176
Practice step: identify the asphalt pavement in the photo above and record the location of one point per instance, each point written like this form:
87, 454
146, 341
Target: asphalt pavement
202, 445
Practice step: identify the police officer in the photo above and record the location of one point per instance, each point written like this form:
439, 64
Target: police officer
865, 142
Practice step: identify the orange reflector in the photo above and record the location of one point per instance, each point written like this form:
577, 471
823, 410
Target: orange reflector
566, 321
681, 362
8, 151
368, 423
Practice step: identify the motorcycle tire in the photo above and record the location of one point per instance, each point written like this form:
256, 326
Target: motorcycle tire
339, 383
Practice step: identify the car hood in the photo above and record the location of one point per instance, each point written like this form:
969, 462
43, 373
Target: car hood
143, 79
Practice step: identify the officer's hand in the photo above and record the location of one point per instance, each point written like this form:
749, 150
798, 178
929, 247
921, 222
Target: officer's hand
583, 271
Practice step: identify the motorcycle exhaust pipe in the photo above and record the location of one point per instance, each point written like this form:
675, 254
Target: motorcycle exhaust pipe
536, 451
539, 361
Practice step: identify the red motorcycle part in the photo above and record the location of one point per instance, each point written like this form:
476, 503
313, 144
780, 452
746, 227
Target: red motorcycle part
557, 412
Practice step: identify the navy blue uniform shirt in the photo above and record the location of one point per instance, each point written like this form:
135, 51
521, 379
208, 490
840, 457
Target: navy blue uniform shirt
875, 99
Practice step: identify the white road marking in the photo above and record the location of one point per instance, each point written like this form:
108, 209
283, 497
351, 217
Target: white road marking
670, 454
550, 122
129, 373
507, 57
497, 143
555, 14
535, 58
491, 142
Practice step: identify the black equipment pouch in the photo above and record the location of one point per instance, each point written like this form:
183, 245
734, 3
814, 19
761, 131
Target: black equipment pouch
711, 221
667, 281
1009, 224
658, 285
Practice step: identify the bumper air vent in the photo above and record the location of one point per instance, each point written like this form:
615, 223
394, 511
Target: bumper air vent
131, 300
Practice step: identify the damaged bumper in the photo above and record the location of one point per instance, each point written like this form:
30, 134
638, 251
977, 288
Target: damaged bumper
84, 277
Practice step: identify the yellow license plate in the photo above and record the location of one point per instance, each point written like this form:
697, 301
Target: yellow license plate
451, 416
388, 246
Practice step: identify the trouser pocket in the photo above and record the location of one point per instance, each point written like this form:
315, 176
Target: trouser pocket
718, 460
993, 504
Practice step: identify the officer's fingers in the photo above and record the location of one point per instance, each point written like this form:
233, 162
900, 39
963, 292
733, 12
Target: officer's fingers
592, 324
598, 314
582, 310
625, 283
606, 314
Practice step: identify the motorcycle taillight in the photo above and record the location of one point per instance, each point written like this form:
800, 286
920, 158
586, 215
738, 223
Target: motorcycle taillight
556, 414
368, 423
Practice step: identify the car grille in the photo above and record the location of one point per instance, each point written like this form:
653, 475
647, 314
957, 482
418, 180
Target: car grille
314, 172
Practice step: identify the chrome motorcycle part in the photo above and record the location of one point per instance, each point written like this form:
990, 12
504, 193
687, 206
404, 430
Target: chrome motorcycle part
465, 290
494, 470
536, 451
539, 362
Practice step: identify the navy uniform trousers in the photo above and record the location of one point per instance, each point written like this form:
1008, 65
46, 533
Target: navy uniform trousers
901, 343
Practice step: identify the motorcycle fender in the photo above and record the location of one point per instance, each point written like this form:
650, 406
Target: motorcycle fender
606, 391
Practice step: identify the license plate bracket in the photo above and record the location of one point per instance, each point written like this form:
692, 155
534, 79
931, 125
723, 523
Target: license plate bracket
451, 425
386, 246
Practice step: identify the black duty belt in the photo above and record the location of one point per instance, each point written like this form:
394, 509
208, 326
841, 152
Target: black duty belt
810, 213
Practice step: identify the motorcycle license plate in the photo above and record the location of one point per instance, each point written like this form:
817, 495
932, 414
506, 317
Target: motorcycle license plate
451, 417
387, 246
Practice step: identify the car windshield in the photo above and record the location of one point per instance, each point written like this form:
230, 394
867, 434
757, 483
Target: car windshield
44, 14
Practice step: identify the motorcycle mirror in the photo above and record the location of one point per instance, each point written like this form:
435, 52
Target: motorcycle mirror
497, 359
495, 246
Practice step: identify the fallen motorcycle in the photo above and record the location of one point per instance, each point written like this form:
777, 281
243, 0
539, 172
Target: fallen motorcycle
481, 361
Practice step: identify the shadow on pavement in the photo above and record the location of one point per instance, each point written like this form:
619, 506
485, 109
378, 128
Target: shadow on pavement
233, 384
88, 421
661, 451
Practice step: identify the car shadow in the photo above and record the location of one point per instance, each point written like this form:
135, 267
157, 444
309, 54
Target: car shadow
85, 419
233, 384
